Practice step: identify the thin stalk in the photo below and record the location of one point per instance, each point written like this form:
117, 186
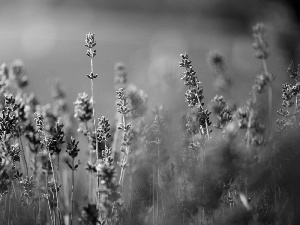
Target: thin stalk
23, 155
93, 105
130, 194
72, 192
4, 207
153, 198
50, 211
116, 135
9, 207
207, 131
248, 128
39, 211
13, 186
94, 119
157, 194
125, 158
90, 174
270, 94
55, 185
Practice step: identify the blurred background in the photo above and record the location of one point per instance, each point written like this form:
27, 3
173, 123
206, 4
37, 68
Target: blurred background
148, 36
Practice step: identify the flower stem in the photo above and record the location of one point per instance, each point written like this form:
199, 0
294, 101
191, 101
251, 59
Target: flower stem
55, 185
270, 93
72, 192
23, 152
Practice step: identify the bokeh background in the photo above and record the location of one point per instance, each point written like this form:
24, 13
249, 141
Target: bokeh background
148, 36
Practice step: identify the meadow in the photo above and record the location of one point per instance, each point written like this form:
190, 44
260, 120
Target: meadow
217, 163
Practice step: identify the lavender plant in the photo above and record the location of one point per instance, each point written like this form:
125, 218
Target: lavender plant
72, 150
172, 169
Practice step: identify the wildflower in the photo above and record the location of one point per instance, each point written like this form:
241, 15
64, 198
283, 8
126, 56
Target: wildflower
137, 101
9, 120
194, 93
14, 153
18, 74
90, 40
72, 148
222, 111
39, 120
4, 182
4, 77
27, 189
90, 43
120, 76
242, 115
103, 129
294, 73
83, 108
54, 141
90, 215
122, 102
260, 43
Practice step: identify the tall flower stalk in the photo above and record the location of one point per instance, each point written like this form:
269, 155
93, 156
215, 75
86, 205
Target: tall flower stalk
90, 43
72, 150
261, 46
47, 142
127, 137
194, 94
158, 125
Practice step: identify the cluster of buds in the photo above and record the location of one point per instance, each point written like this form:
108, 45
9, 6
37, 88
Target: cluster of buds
247, 119
260, 43
5, 182
122, 102
158, 124
122, 108
290, 98
108, 192
294, 72
120, 76
222, 111
90, 43
194, 94
83, 108
54, 141
18, 74
4, 77
262, 81
89, 215
73, 150
288, 92
9, 119
14, 152
137, 101
103, 130
27, 189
